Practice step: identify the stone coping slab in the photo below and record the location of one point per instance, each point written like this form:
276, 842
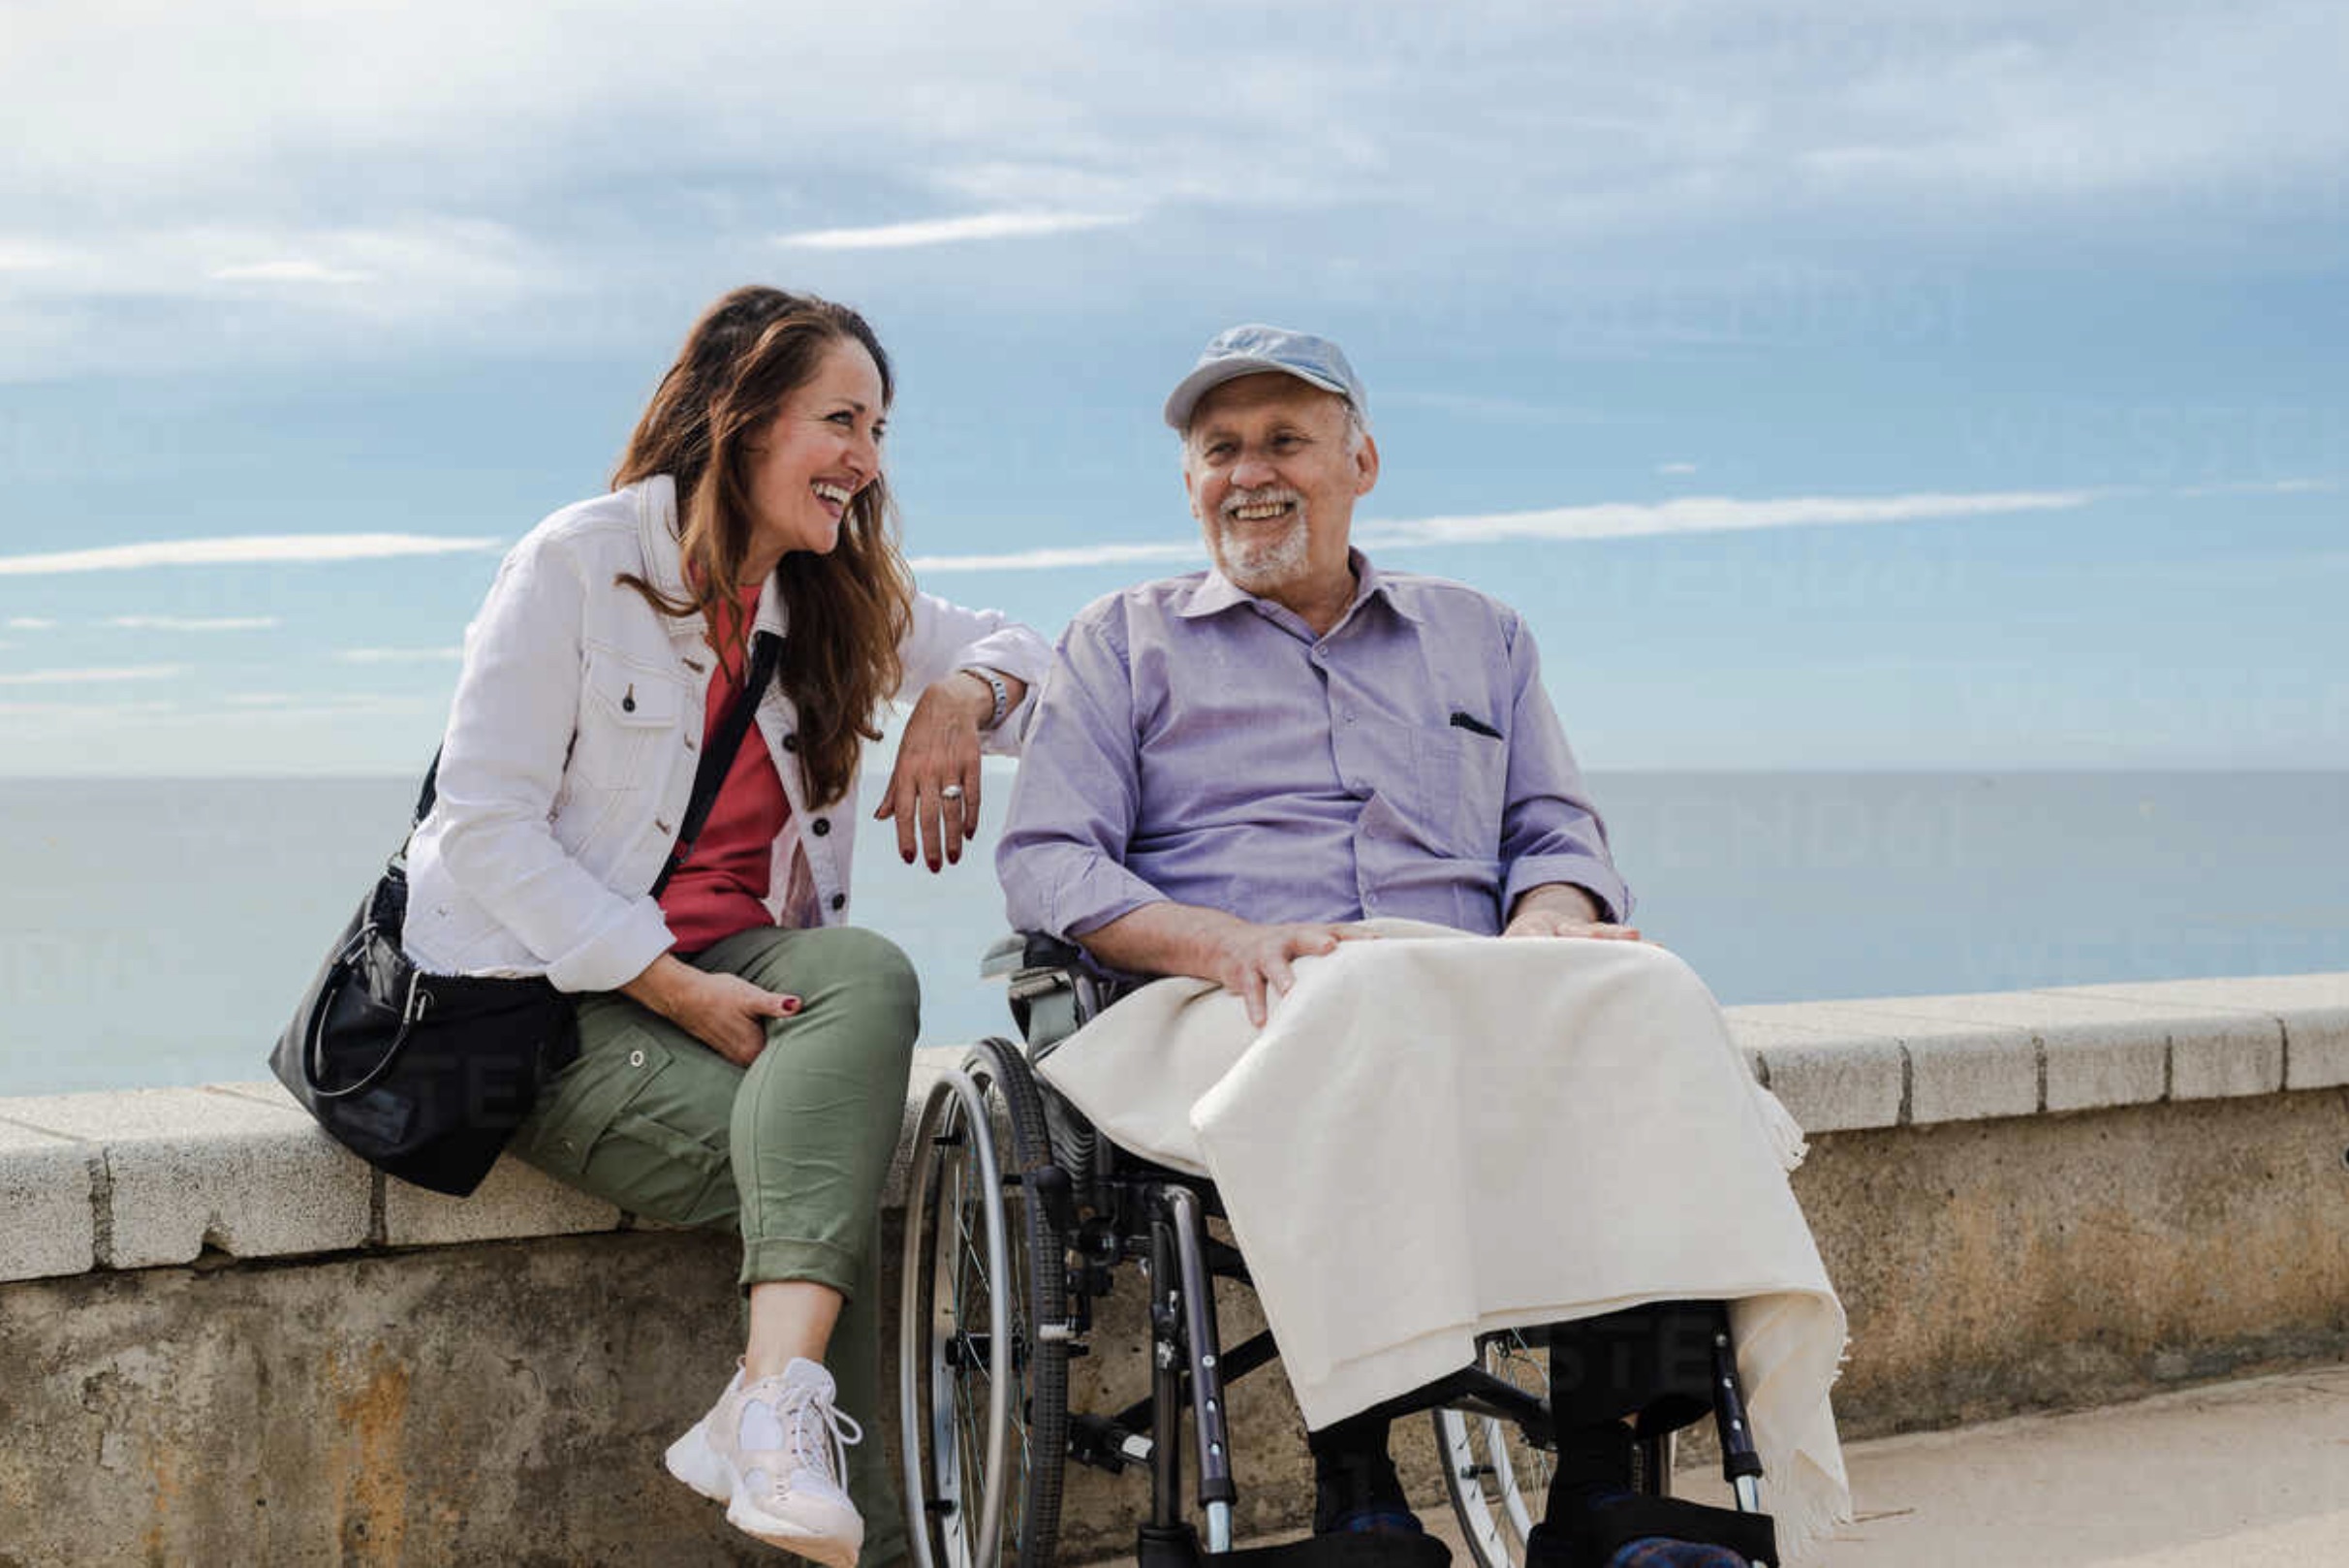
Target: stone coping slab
147, 1177
48, 1222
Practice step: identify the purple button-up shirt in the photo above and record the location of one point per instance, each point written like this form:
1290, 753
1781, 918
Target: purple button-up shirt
1197, 743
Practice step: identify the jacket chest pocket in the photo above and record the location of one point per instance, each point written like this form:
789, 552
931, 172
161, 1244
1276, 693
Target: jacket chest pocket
631, 717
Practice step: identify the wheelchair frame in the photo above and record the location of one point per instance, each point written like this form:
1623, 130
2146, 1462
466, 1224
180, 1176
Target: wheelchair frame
1018, 1214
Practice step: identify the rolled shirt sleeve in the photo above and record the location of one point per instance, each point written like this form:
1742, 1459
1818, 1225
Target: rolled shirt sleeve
1549, 829
1074, 806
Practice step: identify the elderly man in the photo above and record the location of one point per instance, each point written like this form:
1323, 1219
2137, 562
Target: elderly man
1226, 769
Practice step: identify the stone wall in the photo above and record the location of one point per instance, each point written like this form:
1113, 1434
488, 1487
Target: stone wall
224, 1341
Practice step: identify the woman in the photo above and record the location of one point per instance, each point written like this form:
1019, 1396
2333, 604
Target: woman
742, 1051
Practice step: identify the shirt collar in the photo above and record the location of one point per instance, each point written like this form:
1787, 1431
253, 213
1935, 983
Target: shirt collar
1217, 593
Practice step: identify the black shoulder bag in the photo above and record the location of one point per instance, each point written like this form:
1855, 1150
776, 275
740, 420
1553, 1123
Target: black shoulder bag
425, 1077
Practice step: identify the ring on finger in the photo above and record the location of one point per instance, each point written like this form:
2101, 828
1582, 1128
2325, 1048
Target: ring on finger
953, 792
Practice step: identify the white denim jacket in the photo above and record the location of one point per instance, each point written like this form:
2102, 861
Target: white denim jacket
572, 744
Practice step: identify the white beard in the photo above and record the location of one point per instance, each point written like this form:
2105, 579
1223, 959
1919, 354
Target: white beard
1258, 561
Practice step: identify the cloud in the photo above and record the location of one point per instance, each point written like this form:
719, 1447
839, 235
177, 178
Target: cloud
31, 623
1619, 519
290, 272
1675, 468
96, 676
287, 168
248, 550
1048, 560
1708, 514
952, 230
192, 623
399, 655
2271, 487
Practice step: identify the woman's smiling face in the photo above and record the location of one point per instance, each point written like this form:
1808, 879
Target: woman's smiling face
823, 446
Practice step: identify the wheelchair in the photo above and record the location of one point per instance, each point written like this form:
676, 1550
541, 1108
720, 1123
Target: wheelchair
1018, 1216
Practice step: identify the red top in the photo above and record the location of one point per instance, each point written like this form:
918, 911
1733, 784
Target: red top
722, 886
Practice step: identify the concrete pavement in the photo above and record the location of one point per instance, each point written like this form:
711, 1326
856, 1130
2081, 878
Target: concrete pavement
2233, 1475
2251, 1474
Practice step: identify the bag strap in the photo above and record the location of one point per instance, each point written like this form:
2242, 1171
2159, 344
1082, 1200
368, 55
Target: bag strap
718, 754
314, 1029
717, 759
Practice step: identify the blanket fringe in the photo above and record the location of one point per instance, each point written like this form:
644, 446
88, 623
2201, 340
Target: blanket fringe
1808, 1510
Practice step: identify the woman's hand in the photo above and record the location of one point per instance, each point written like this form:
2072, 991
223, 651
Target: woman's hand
726, 1012
939, 751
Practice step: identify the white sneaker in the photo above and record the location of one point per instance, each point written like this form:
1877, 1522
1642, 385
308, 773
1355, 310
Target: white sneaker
773, 1452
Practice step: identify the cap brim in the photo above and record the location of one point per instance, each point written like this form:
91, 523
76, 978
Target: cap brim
1207, 377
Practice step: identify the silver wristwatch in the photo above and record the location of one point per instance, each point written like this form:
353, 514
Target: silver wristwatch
995, 684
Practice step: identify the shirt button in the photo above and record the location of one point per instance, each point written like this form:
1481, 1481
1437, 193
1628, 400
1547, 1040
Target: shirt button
820, 826
1347, 715
636, 1058
840, 901
688, 742
790, 742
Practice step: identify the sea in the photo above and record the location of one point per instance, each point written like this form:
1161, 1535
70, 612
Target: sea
158, 932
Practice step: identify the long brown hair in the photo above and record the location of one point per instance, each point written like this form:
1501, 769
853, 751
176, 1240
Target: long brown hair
848, 610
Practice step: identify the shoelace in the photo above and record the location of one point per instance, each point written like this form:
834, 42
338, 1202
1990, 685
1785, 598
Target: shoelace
808, 1419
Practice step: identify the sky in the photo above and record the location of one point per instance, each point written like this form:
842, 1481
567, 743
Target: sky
1955, 386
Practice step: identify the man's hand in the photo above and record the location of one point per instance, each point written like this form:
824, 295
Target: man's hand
1252, 961
939, 752
1562, 909
726, 1012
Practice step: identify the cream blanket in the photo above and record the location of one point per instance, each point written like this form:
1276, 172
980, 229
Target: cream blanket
1437, 1136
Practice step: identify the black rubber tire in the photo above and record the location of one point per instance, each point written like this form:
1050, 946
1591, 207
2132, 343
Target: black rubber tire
1040, 1252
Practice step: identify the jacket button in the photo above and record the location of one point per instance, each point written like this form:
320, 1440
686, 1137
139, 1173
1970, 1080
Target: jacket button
840, 901
790, 742
820, 826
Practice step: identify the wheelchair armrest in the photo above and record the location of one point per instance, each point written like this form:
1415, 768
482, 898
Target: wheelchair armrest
1040, 951
1055, 986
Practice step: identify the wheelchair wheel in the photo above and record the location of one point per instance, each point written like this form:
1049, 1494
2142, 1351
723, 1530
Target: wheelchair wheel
1499, 1481
982, 1363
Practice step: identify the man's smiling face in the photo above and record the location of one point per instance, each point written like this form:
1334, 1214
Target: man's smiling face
1273, 468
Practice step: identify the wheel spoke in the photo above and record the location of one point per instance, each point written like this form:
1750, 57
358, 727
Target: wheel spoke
986, 1247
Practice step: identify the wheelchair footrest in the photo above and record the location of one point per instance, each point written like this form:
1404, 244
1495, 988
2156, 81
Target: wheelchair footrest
1597, 1535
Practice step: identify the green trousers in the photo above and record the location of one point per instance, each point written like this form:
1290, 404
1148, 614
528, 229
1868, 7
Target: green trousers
790, 1152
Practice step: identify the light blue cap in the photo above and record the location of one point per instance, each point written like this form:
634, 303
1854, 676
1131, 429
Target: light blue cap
1247, 351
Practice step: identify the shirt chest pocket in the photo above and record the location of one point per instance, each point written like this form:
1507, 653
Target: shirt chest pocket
1460, 781
631, 717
